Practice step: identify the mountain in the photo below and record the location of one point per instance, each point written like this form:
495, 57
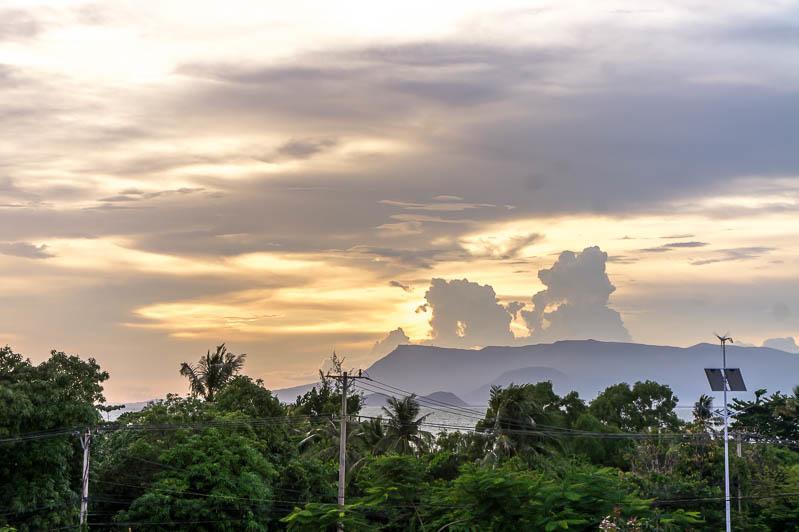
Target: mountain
376, 399
588, 366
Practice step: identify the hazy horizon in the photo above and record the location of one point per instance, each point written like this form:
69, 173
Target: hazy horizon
294, 179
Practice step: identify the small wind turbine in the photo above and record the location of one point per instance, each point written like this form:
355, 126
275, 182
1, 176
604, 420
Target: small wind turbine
721, 380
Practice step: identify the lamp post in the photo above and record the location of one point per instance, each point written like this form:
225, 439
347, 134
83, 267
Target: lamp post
721, 380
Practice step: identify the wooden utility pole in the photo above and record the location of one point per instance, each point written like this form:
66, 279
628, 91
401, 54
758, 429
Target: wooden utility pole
85, 441
344, 378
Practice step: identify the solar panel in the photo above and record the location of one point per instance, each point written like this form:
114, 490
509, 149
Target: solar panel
735, 381
715, 378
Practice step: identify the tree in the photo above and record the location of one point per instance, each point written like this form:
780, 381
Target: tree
768, 416
394, 488
704, 417
513, 416
324, 399
212, 372
214, 480
242, 394
646, 406
40, 477
403, 432
569, 497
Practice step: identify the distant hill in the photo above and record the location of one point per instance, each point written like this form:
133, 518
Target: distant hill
375, 399
588, 366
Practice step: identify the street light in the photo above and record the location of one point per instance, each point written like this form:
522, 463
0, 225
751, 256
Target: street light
721, 380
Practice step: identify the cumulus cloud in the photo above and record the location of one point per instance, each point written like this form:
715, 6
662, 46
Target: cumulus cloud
388, 344
25, 250
787, 344
574, 304
467, 314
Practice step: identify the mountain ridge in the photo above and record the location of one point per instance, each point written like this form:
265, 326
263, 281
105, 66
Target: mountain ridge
590, 366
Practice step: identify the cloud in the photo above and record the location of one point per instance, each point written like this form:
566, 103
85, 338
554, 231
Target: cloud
781, 311
25, 250
15, 24
787, 344
504, 248
398, 284
735, 254
674, 245
390, 342
302, 149
577, 292
467, 314
133, 194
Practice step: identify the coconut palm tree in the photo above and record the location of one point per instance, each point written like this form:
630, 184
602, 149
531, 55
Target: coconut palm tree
703, 413
212, 371
403, 432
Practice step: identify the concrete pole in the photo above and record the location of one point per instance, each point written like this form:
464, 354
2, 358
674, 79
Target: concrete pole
342, 447
85, 441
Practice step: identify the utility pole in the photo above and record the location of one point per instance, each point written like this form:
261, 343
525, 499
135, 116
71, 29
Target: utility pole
344, 378
85, 441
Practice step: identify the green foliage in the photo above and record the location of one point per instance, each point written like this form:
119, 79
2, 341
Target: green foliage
212, 372
507, 498
775, 416
251, 398
394, 487
317, 517
403, 432
40, 478
216, 476
231, 457
644, 407
514, 417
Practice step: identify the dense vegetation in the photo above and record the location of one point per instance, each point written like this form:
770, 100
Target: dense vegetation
230, 456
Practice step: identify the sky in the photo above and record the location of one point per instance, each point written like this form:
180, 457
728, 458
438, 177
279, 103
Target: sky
297, 177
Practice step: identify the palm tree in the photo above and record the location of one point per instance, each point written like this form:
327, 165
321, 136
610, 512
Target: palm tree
703, 411
212, 371
510, 422
403, 432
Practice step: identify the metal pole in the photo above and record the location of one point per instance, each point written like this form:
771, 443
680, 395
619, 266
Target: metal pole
85, 441
726, 441
342, 447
